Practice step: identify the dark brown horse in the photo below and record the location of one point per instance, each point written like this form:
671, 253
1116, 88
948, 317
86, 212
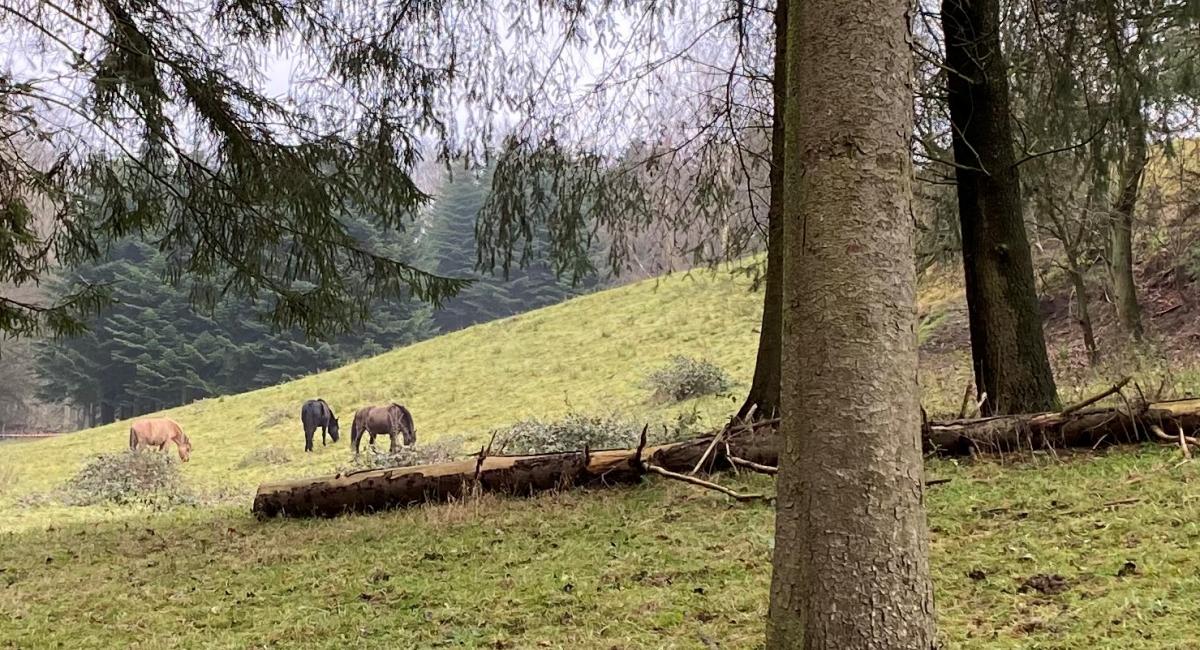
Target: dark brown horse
157, 432
392, 419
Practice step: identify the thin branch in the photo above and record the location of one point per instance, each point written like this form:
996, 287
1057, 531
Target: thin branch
1116, 388
655, 469
751, 465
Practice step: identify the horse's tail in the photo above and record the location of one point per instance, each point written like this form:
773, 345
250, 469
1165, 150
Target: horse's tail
132, 437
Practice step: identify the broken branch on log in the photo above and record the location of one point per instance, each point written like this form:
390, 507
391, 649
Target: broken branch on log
1183, 441
742, 462
655, 469
966, 401
1095, 398
712, 445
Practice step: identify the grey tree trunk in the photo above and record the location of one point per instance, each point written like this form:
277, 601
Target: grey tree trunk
1008, 346
763, 398
1126, 54
851, 563
1082, 304
1121, 262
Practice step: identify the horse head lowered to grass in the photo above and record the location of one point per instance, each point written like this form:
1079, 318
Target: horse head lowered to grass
392, 419
157, 432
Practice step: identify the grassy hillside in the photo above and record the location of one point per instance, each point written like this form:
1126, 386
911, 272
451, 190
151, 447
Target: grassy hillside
588, 355
1036, 551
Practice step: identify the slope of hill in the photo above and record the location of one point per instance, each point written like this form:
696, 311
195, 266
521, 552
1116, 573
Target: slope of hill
587, 355
1033, 551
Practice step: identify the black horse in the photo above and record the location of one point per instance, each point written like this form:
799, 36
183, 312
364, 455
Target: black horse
316, 413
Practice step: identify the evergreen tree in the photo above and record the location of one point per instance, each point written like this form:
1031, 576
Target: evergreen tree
151, 349
489, 297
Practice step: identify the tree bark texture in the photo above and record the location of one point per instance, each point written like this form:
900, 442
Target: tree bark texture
763, 398
1008, 346
851, 567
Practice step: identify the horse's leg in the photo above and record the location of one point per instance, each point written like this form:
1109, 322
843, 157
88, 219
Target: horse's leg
323, 434
308, 437
162, 446
393, 448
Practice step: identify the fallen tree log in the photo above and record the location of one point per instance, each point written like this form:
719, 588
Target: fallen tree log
1080, 425
1086, 428
380, 489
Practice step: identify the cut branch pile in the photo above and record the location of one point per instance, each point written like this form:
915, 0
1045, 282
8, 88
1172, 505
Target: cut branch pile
751, 447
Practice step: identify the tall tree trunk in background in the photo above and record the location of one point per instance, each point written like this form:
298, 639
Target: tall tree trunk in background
1007, 343
1123, 45
763, 398
1081, 303
1133, 165
851, 565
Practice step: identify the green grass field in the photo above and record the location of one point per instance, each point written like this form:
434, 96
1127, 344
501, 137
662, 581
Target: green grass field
655, 566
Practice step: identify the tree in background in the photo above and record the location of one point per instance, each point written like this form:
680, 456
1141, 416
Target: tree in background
158, 122
151, 349
851, 565
1008, 347
451, 240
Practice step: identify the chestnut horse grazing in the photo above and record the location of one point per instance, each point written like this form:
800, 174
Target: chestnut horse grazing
376, 420
157, 432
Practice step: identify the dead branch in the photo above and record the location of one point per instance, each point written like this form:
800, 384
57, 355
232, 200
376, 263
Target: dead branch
1115, 388
966, 401
751, 465
708, 451
655, 469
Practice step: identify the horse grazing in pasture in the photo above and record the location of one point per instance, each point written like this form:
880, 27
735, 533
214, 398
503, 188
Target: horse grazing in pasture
316, 413
157, 432
392, 419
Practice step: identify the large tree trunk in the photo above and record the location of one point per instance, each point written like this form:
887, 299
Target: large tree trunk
763, 398
851, 567
1121, 263
1007, 343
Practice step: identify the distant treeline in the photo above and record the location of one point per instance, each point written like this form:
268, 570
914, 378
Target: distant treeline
153, 349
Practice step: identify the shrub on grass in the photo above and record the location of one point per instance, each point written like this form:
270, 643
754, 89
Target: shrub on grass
265, 456
575, 431
443, 450
276, 415
685, 377
128, 477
